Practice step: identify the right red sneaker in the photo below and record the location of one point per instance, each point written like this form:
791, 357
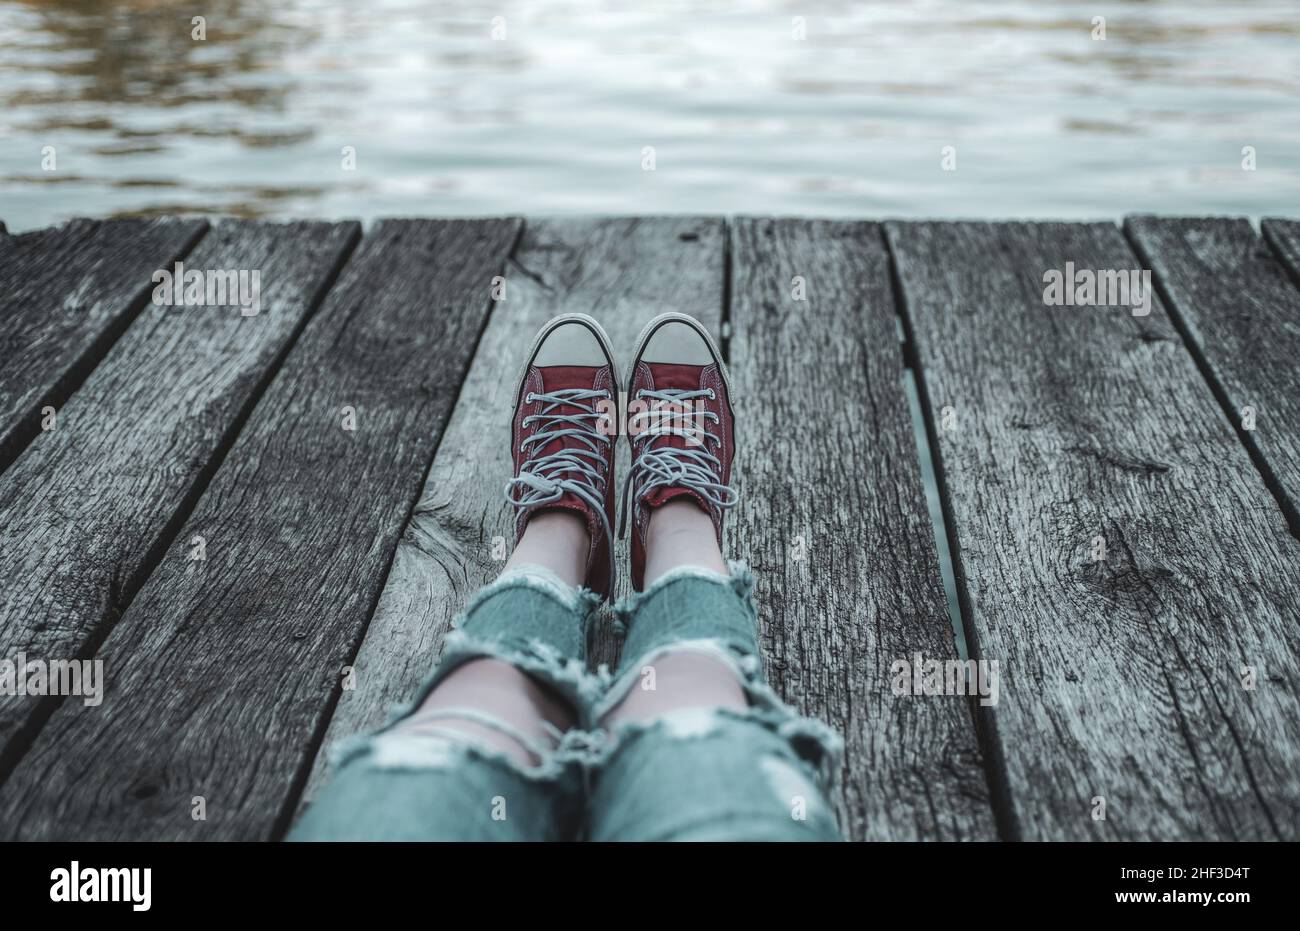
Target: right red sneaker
680, 425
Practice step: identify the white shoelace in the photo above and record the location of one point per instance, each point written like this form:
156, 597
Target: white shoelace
544, 479
692, 467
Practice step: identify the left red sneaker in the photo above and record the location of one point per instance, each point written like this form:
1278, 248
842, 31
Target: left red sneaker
565, 424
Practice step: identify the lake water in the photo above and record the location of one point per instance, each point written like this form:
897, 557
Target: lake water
750, 106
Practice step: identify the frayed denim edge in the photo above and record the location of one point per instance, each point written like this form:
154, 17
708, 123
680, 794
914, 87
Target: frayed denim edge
592, 696
741, 581
416, 752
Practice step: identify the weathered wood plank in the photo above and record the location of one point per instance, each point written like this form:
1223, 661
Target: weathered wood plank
86, 510
1121, 678
1284, 236
1233, 302
66, 294
833, 521
622, 272
222, 673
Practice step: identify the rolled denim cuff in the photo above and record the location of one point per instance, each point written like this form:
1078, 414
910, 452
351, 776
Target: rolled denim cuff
690, 604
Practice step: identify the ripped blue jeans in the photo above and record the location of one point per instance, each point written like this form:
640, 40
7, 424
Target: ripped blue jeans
705, 774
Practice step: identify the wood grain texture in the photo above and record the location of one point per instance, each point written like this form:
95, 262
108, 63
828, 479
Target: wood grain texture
1121, 678
222, 673
66, 293
622, 272
86, 510
826, 461
1234, 303
1284, 237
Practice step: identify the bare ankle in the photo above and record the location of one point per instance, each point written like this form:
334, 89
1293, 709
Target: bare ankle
680, 533
558, 540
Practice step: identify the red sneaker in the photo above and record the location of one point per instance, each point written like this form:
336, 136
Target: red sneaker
680, 425
566, 422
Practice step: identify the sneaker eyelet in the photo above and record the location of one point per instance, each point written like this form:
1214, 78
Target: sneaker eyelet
528, 398
711, 394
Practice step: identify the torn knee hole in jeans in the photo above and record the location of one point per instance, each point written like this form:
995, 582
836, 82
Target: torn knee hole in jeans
744, 666
810, 742
404, 742
567, 678
809, 739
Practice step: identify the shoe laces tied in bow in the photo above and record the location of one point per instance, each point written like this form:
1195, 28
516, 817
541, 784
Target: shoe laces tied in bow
655, 464
567, 414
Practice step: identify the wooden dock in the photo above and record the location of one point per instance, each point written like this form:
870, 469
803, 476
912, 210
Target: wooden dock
181, 498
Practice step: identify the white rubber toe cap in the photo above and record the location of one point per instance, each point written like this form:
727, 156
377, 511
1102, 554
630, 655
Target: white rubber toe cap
678, 343
571, 343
